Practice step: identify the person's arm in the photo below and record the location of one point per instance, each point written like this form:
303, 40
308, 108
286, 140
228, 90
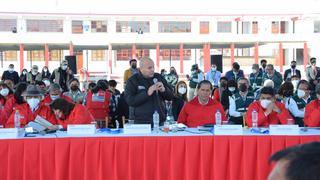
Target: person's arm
285, 74
282, 114
232, 108
182, 118
293, 108
312, 115
168, 92
3, 76
52, 77
134, 96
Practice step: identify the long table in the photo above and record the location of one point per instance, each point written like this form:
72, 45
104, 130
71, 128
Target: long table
177, 156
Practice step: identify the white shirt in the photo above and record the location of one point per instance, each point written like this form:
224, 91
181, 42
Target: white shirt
232, 108
293, 108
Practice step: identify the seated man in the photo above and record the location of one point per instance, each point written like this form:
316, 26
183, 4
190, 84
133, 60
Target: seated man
269, 110
201, 109
69, 113
312, 113
297, 103
55, 92
255, 77
240, 101
29, 111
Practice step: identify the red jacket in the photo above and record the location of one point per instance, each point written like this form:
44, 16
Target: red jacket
216, 95
194, 114
26, 115
98, 104
7, 109
47, 99
272, 118
312, 114
79, 115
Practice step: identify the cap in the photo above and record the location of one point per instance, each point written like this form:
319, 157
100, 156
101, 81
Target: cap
34, 67
54, 86
32, 90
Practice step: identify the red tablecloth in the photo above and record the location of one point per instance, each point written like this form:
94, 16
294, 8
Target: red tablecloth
142, 158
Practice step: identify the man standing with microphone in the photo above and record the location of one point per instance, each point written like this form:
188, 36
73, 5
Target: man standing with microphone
146, 93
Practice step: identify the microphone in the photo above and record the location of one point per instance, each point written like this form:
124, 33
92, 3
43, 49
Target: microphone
155, 80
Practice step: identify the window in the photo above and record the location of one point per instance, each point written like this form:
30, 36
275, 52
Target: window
254, 27
284, 27
8, 24
132, 26
77, 27
250, 27
275, 27
56, 55
10, 55
35, 55
316, 25
98, 26
98, 55
245, 27
279, 27
36, 25
204, 27
165, 54
126, 54
224, 27
174, 26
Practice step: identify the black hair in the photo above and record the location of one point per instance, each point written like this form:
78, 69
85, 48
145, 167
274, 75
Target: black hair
267, 90
304, 82
103, 83
223, 78
39, 83
236, 66
313, 59
243, 78
92, 85
63, 105
20, 88
112, 83
74, 79
303, 161
263, 61
286, 89
132, 60
204, 82
232, 83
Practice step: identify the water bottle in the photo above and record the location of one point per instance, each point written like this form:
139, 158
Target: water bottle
254, 119
17, 119
156, 122
218, 118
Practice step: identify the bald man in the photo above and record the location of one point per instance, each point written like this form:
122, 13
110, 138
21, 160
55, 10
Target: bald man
146, 92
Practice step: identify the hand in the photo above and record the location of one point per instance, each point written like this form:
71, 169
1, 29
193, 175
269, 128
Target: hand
160, 87
152, 89
188, 77
269, 108
276, 109
315, 82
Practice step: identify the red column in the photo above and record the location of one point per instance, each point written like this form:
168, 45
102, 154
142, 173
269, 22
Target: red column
21, 57
305, 55
281, 57
46, 55
71, 48
256, 53
110, 58
206, 57
232, 52
181, 58
133, 50
158, 57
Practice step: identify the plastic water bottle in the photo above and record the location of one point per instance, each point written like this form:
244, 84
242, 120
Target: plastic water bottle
17, 119
156, 122
254, 119
218, 118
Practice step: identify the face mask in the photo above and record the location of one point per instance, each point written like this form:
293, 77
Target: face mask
254, 71
133, 66
33, 103
213, 68
232, 89
54, 97
4, 92
10, 70
24, 72
172, 72
47, 83
64, 67
301, 93
265, 103
34, 72
243, 87
74, 88
45, 70
264, 66
182, 90
293, 66
295, 83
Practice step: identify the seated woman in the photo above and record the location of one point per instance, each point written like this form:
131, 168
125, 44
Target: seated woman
33, 108
179, 99
69, 113
201, 109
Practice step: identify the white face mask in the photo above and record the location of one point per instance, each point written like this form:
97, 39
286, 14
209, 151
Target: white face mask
254, 71
265, 103
33, 103
4, 92
213, 68
45, 70
34, 72
24, 72
232, 89
47, 83
10, 70
64, 67
54, 97
301, 93
295, 83
182, 90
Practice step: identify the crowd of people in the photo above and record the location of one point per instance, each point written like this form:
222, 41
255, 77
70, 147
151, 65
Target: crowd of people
57, 97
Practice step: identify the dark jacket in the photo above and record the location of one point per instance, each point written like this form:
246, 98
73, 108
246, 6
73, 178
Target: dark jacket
230, 75
287, 74
61, 77
142, 106
10, 75
177, 105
